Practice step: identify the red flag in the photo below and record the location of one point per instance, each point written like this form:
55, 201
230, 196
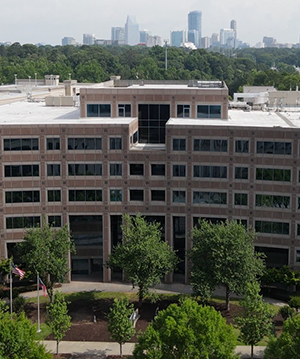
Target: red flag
17, 271
42, 285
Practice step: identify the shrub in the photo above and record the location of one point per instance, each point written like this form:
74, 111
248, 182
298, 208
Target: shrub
294, 302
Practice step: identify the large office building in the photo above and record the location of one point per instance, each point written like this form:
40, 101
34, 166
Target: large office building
171, 151
195, 27
178, 38
132, 32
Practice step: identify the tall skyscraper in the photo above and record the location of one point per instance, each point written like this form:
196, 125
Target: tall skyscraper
132, 33
233, 27
194, 27
178, 38
227, 38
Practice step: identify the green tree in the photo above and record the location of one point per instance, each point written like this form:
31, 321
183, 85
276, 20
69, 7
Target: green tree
256, 320
45, 250
286, 346
187, 331
223, 254
57, 318
119, 323
143, 256
17, 338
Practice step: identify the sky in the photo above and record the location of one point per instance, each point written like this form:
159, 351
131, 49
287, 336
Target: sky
40, 21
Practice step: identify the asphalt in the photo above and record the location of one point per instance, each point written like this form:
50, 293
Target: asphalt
101, 349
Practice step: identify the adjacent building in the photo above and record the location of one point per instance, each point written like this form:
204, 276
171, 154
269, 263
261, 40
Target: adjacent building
169, 150
178, 38
132, 33
195, 27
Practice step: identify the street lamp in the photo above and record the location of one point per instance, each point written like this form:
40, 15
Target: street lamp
69, 76
29, 77
35, 78
15, 79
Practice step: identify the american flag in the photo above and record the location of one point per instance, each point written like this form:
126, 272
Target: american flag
17, 271
42, 285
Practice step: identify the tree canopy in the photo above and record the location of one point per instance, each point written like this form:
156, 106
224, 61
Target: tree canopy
187, 331
223, 254
142, 254
45, 250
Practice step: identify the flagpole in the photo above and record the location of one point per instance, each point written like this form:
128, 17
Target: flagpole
38, 301
10, 287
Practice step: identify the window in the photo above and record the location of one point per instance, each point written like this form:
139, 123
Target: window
179, 144
53, 143
21, 144
241, 173
210, 197
242, 146
240, 199
54, 221
297, 255
81, 169
136, 195
136, 169
53, 170
178, 196
124, 110
135, 137
210, 171
158, 195
54, 195
272, 227
21, 171
116, 195
298, 229
183, 111
273, 174
98, 110
115, 143
158, 169
22, 196
22, 222
85, 144
208, 111
178, 170
85, 195
274, 148
115, 169
208, 145
264, 200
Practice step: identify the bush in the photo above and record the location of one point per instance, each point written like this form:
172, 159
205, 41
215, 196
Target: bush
294, 302
286, 312
18, 304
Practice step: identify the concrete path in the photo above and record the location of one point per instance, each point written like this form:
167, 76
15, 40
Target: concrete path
102, 349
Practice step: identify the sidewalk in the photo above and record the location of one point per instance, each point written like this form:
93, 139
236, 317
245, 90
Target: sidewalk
101, 349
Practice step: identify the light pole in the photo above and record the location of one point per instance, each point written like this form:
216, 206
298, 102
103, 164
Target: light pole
29, 77
69, 76
166, 55
15, 79
35, 79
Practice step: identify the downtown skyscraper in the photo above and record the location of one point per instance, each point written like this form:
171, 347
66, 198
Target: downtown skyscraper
194, 27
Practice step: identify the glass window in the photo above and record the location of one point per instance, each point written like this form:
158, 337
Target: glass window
21, 170
124, 110
136, 169
53, 170
272, 227
22, 196
81, 169
275, 148
178, 170
53, 143
158, 195
241, 172
273, 174
116, 195
98, 110
86, 144
21, 144
242, 146
115, 169
136, 195
83, 195
158, 169
183, 111
54, 221
54, 195
22, 222
264, 200
210, 197
115, 143
210, 171
179, 144
210, 145
178, 196
208, 111
240, 199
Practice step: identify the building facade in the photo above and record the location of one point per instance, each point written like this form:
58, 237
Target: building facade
195, 27
178, 38
170, 151
132, 32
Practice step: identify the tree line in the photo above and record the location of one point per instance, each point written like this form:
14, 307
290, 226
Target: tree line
270, 67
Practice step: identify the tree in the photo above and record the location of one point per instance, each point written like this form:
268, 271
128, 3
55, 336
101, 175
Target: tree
143, 256
17, 337
187, 331
119, 323
287, 346
57, 317
45, 250
223, 254
256, 320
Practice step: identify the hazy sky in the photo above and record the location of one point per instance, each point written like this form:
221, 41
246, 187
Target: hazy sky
34, 21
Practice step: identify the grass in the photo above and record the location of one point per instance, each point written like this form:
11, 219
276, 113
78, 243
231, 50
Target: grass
45, 331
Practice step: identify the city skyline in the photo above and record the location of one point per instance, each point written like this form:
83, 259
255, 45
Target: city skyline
59, 18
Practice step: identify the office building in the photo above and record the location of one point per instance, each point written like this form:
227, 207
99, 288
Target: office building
68, 41
118, 35
169, 150
132, 33
178, 38
88, 39
233, 27
227, 37
195, 27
